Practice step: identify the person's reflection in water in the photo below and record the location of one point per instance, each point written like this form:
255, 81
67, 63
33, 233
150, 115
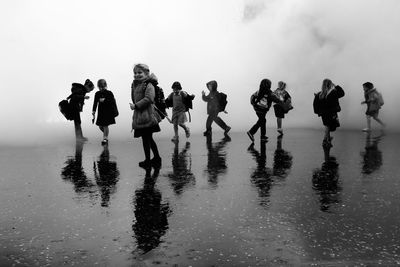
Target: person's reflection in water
282, 160
326, 181
151, 215
74, 172
216, 160
181, 176
107, 175
261, 176
372, 156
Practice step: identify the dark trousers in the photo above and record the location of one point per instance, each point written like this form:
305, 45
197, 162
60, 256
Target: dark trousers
218, 121
261, 123
78, 128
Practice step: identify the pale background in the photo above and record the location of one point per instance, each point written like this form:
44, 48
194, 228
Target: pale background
46, 45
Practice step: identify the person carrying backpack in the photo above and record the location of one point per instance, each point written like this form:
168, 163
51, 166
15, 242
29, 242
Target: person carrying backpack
374, 102
282, 108
214, 106
145, 119
76, 102
261, 102
180, 101
326, 105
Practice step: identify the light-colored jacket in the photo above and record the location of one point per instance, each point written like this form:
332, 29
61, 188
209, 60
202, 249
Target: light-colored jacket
142, 95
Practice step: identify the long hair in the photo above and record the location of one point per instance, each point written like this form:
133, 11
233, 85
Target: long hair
326, 85
265, 89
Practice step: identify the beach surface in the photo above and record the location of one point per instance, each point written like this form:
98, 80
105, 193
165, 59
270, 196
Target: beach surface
214, 202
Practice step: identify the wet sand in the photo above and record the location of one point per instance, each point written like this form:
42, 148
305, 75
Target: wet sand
219, 202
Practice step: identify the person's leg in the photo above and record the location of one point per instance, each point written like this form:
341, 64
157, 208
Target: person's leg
105, 132
146, 140
176, 137
220, 122
209, 121
378, 120
78, 129
368, 124
187, 131
279, 123
156, 161
263, 127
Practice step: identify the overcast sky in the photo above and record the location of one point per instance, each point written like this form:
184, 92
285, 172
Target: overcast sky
48, 44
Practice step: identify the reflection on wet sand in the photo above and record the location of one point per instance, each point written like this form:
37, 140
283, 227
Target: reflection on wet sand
151, 215
282, 160
261, 176
107, 175
216, 159
326, 181
74, 173
372, 156
181, 176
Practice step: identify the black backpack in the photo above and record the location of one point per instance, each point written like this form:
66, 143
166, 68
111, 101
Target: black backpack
222, 101
65, 109
159, 100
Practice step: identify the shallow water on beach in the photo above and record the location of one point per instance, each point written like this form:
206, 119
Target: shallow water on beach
216, 202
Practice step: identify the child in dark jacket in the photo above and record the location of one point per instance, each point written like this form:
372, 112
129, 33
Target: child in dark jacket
76, 101
178, 101
374, 102
107, 109
261, 102
326, 105
213, 108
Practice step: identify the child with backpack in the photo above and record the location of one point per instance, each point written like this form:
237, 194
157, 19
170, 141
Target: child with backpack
261, 102
216, 103
107, 109
282, 108
180, 101
326, 105
374, 102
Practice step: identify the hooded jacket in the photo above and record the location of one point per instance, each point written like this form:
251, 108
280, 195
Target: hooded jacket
212, 99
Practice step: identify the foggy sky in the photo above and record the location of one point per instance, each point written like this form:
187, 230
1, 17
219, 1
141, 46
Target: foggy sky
47, 45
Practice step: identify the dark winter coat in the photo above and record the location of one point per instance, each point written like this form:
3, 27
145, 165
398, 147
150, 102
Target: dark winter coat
330, 104
106, 109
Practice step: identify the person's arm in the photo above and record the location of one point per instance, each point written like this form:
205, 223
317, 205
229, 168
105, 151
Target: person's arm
148, 98
95, 103
206, 98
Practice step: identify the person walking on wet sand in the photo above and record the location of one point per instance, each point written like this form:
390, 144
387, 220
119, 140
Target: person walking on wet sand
326, 105
145, 119
107, 109
180, 101
76, 102
214, 101
283, 107
261, 102
374, 102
